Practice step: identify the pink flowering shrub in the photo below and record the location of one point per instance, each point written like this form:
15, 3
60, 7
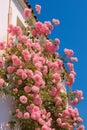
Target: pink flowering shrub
35, 75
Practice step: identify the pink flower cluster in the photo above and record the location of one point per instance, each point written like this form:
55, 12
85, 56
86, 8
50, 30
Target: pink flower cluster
38, 8
14, 30
69, 119
50, 47
41, 29
35, 75
78, 95
16, 60
27, 12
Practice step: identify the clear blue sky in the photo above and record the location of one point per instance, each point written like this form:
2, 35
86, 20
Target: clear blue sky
73, 34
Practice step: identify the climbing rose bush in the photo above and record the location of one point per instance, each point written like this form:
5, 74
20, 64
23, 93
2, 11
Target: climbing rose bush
34, 74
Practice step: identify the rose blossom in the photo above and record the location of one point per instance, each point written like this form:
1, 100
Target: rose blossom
23, 99
56, 22
26, 115
27, 12
71, 66
10, 69
1, 63
19, 114
81, 128
15, 90
14, 30
2, 45
19, 82
68, 52
57, 41
74, 59
35, 89
1, 82
27, 89
45, 127
38, 8
59, 101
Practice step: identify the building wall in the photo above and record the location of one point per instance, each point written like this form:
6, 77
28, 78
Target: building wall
4, 7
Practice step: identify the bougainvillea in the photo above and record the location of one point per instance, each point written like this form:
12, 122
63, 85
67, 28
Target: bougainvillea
35, 75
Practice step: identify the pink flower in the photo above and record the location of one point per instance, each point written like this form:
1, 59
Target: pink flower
59, 121
38, 8
48, 115
19, 82
81, 128
38, 26
27, 89
29, 73
41, 121
15, 90
19, 114
23, 99
17, 110
37, 128
29, 43
30, 108
73, 72
41, 28
1, 63
49, 25
25, 52
37, 100
56, 77
19, 72
59, 101
50, 47
71, 80
35, 89
79, 120
56, 22
26, 55
45, 127
19, 46
59, 87
1, 82
74, 59
27, 12
71, 66
2, 45
7, 125
36, 46
68, 52
35, 115
74, 102
22, 38
16, 61
79, 94
57, 41
10, 69
45, 70
14, 30
38, 79
24, 75
26, 115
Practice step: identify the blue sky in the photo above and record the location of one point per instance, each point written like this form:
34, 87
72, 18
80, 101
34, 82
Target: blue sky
73, 34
